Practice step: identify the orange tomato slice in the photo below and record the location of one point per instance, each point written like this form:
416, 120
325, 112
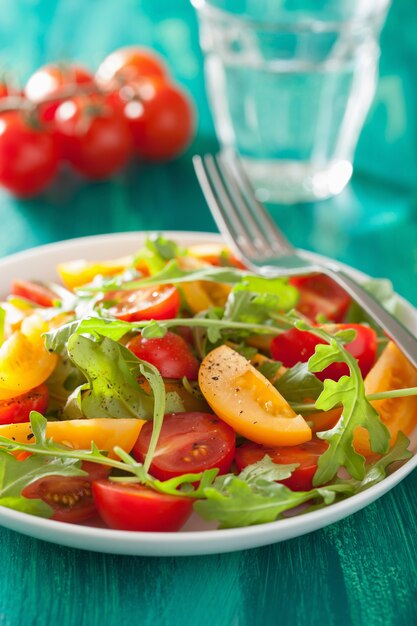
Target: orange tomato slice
391, 371
248, 402
79, 434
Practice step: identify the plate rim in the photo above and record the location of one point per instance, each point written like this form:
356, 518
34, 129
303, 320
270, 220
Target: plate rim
198, 542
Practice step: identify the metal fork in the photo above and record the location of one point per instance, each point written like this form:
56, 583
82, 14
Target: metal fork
254, 237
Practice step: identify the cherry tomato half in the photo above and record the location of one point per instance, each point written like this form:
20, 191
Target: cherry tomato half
306, 455
188, 443
28, 156
49, 80
295, 346
133, 507
35, 292
93, 135
69, 496
160, 116
150, 303
319, 294
170, 354
15, 410
129, 64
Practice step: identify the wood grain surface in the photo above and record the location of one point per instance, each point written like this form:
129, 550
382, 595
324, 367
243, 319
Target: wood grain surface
362, 570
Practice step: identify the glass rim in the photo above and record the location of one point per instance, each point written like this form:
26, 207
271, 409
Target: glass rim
207, 8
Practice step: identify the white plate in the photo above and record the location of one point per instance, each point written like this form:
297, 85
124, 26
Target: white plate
197, 537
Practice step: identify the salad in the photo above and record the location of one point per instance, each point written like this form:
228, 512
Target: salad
174, 380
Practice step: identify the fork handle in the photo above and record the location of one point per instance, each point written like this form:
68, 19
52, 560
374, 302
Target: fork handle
394, 329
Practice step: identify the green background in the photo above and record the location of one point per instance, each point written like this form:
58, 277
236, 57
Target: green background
359, 571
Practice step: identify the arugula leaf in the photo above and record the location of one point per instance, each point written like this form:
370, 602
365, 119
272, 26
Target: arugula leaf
252, 497
349, 391
157, 251
158, 389
15, 475
378, 471
32, 506
268, 368
298, 384
111, 371
239, 505
171, 273
56, 340
266, 470
254, 299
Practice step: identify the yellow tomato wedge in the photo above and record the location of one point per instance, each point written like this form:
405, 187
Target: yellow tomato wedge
24, 361
203, 294
391, 371
79, 434
77, 273
248, 402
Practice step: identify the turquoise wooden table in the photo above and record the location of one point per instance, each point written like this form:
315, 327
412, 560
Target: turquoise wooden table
362, 570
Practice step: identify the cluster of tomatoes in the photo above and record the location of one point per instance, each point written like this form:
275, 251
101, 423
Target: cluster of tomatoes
96, 123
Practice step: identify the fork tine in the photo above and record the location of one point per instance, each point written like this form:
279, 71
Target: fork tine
241, 207
221, 207
277, 240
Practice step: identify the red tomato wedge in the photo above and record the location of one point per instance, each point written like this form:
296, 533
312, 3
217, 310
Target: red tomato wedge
295, 346
319, 294
188, 443
125, 506
35, 292
170, 354
15, 410
150, 303
306, 454
69, 496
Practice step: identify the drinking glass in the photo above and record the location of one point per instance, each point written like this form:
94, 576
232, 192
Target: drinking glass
290, 83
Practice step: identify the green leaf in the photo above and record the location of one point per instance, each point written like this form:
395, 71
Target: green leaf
16, 475
298, 384
111, 371
378, 471
32, 506
239, 504
154, 378
266, 470
254, 299
268, 368
56, 340
349, 391
171, 273
153, 330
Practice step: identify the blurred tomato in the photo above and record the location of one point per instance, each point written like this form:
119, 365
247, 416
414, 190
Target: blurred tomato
50, 79
28, 155
93, 135
160, 116
129, 64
